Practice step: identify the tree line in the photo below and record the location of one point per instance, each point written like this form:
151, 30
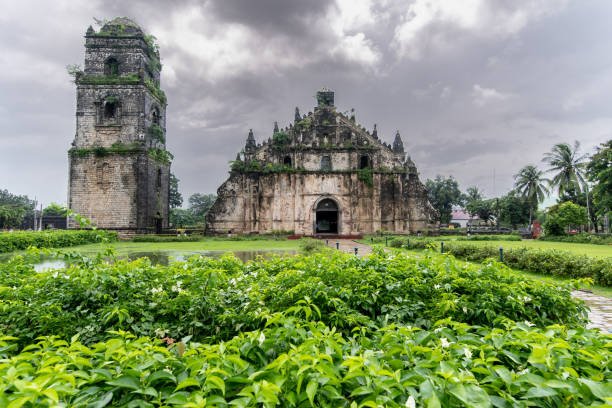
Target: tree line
581, 182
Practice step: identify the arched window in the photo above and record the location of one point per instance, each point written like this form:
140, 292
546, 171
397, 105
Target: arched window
364, 162
287, 161
111, 67
326, 164
155, 116
110, 109
159, 179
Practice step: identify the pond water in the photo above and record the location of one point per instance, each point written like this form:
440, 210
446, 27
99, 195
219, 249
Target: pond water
167, 257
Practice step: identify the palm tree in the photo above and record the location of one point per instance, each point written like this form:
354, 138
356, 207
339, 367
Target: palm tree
531, 184
568, 167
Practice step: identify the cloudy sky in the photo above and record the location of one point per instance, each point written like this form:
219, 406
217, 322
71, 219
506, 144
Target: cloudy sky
477, 88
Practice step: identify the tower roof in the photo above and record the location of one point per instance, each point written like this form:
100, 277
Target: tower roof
121, 26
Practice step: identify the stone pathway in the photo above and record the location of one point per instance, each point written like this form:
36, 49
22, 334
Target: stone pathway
600, 315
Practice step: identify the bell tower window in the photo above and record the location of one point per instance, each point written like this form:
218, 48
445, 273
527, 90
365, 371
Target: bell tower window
111, 67
110, 110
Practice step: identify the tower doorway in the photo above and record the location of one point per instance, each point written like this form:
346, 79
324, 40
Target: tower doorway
327, 217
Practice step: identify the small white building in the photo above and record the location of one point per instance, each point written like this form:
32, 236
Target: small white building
462, 218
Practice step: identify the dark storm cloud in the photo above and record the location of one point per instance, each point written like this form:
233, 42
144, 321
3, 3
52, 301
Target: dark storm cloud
476, 88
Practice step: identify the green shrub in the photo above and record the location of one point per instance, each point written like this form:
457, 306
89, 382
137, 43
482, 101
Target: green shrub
328, 329
309, 245
583, 238
213, 299
548, 262
20, 240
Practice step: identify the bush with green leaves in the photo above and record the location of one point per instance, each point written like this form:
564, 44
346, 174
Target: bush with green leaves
216, 299
19, 240
295, 360
543, 261
583, 238
327, 329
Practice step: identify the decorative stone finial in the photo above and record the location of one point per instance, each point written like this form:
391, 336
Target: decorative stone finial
297, 114
375, 132
275, 127
250, 142
90, 31
352, 115
398, 145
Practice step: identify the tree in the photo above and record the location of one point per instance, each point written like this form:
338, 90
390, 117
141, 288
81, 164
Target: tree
443, 194
181, 217
175, 197
531, 185
567, 166
55, 209
13, 209
201, 203
599, 171
484, 209
564, 215
473, 194
515, 209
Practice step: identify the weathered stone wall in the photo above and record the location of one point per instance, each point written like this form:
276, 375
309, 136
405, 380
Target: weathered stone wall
258, 203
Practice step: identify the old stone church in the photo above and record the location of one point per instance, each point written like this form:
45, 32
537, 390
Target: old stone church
118, 163
324, 174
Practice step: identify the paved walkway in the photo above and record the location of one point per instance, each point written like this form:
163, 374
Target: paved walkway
600, 315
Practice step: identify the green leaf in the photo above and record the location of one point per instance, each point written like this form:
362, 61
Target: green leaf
311, 390
601, 391
540, 392
108, 397
125, 381
215, 382
161, 375
187, 382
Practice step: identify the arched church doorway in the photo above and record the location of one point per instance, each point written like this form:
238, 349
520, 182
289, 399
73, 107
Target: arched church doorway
327, 217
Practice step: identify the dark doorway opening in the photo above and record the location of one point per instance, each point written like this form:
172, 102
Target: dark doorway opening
327, 217
158, 223
287, 161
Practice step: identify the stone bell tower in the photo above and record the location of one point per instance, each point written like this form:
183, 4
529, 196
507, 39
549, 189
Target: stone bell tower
118, 164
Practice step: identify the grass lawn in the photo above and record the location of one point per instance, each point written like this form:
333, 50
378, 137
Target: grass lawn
124, 247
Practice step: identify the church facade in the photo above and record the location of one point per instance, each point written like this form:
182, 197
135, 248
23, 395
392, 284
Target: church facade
323, 175
118, 164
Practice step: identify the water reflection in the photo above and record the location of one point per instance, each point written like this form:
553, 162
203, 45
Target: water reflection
167, 257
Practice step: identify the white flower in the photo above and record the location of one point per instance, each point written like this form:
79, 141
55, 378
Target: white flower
159, 332
465, 309
262, 338
526, 299
467, 352
436, 286
444, 342
410, 402
177, 287
525, 371
528, 323
565, 374
157, 290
